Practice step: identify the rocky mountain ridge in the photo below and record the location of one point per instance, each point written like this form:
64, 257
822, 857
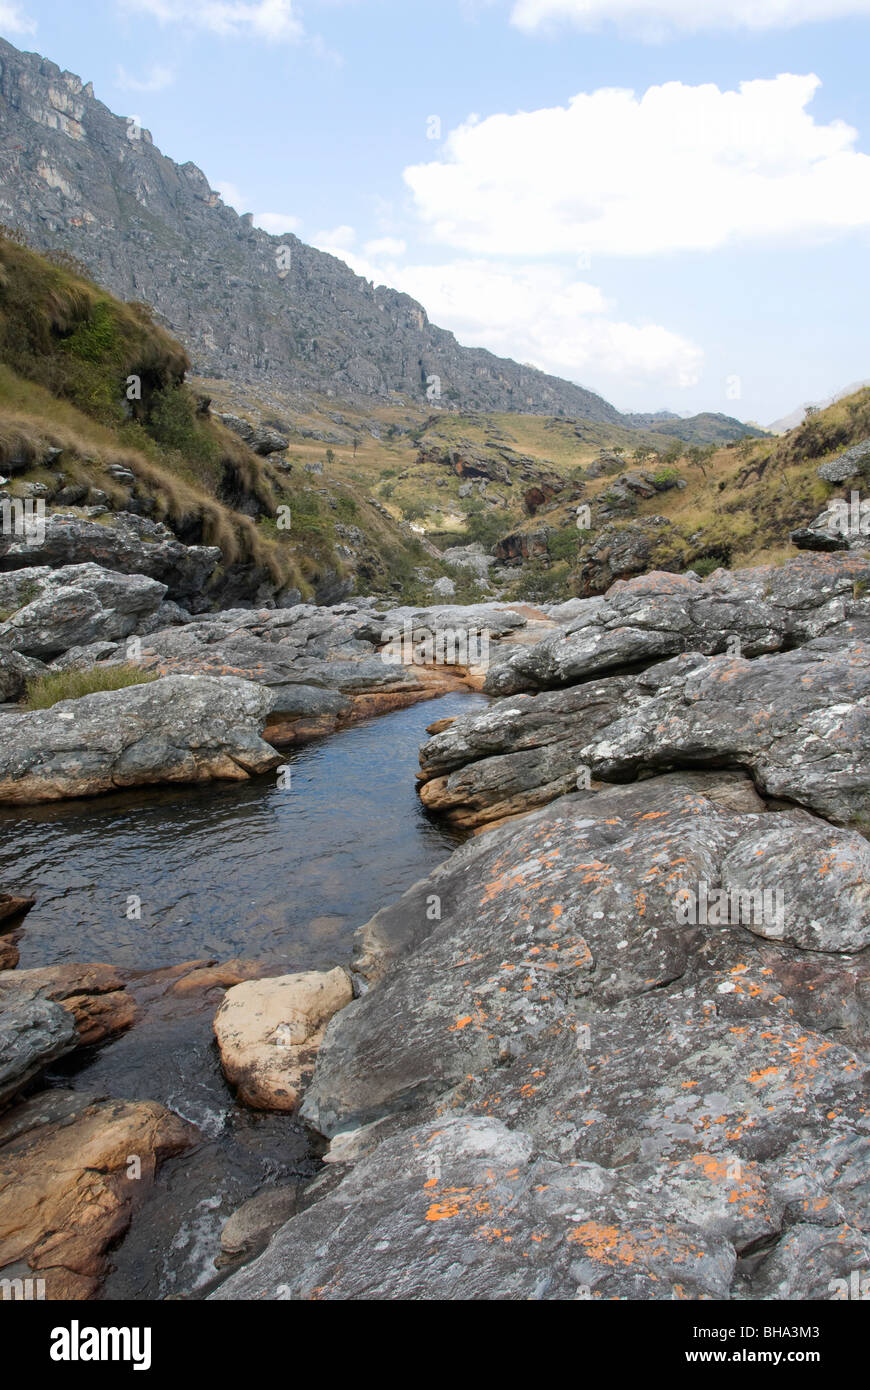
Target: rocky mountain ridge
248, 306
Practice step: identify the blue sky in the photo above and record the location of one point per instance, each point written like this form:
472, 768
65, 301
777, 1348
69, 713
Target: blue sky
665, 200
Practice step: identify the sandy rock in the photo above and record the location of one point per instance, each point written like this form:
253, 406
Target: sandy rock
67, 1190
268, 1032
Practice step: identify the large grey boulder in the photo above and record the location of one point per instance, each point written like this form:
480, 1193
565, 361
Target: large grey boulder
121, 541
798, 721
33, 1032
180, 729
554, 1086
53, 610
15, 671
846, 465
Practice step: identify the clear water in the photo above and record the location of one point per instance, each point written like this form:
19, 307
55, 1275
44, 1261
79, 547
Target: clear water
284, 874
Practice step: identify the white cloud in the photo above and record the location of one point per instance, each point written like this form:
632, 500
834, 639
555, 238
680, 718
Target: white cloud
542, 315
385, 246
276, 222
679, 168
656, 18
231, 194
336, 242
265, 19
155, 80
14, 21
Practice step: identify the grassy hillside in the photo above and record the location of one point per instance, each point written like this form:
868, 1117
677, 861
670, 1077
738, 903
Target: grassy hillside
89, 385
732, 506
712, 505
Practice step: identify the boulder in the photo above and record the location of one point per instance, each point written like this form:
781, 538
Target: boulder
570, 1091
251, 1224
73, 1170
47, 1012
846, 465
268, 1033
33, 1032
15, 672
797, 721
261, 438
658, 615
52, 610
180, 729
121, 542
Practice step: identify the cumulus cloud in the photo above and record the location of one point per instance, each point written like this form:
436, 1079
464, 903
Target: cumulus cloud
155, 80
275, 20
543, 315
679, 168
276, 222
657, 18
336, 241
14, 21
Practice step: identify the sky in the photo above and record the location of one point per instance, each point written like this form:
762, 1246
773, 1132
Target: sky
666, 201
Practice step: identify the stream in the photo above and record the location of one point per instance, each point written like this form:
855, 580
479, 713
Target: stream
283, 874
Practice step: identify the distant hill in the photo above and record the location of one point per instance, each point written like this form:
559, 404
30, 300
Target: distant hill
707, 428
796, 417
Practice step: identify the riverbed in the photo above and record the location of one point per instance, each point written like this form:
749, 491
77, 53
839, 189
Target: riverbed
281, 869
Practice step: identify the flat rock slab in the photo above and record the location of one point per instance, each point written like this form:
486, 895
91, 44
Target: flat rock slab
181, 729
643, 620
556, 1086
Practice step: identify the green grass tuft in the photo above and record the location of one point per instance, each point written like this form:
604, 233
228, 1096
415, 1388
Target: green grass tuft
45, 691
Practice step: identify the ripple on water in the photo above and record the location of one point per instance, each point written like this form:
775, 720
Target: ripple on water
228, 869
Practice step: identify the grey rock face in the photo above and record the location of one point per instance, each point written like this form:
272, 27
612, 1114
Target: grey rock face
798, 721
181, 729
79, 181
847, 464
72, 606
574, 1092
658, 615
15, 671
33, 1032
260, 438
126, 543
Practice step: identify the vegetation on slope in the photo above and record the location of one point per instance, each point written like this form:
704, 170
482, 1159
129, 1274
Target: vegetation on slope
90, 387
